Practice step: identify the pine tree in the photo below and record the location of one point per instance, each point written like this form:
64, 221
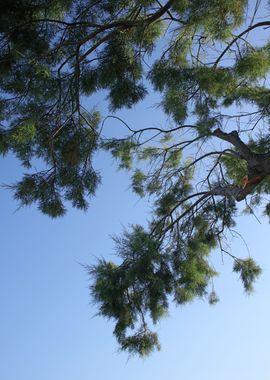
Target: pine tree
213, 81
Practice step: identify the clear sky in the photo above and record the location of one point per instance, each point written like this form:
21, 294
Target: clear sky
48, 327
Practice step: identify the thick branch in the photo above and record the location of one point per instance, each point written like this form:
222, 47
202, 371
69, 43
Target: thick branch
235, 140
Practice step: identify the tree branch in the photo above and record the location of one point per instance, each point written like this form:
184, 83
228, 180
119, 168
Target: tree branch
234, 139
259, 24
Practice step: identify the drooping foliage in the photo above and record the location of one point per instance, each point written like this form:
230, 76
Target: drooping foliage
151, 273
212, 76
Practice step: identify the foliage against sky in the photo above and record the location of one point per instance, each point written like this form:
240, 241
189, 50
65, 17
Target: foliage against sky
213, 82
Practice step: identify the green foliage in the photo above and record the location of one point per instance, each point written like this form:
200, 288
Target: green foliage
39, 188
174, 103
256, 95
145, 37
235, 167
122, 150
4, 146
124, 292
216, 18
254, 65
180, 6
55, 53
138, 288
249, 271
173, 158
121, 76
23, 133
126, 93
149, 152
89, 81
142, 343
212, 80
138, 179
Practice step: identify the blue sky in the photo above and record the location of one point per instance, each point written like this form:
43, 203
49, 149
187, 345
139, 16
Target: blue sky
48, 328
47, 324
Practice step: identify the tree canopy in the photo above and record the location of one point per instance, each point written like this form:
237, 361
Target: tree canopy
214, 152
